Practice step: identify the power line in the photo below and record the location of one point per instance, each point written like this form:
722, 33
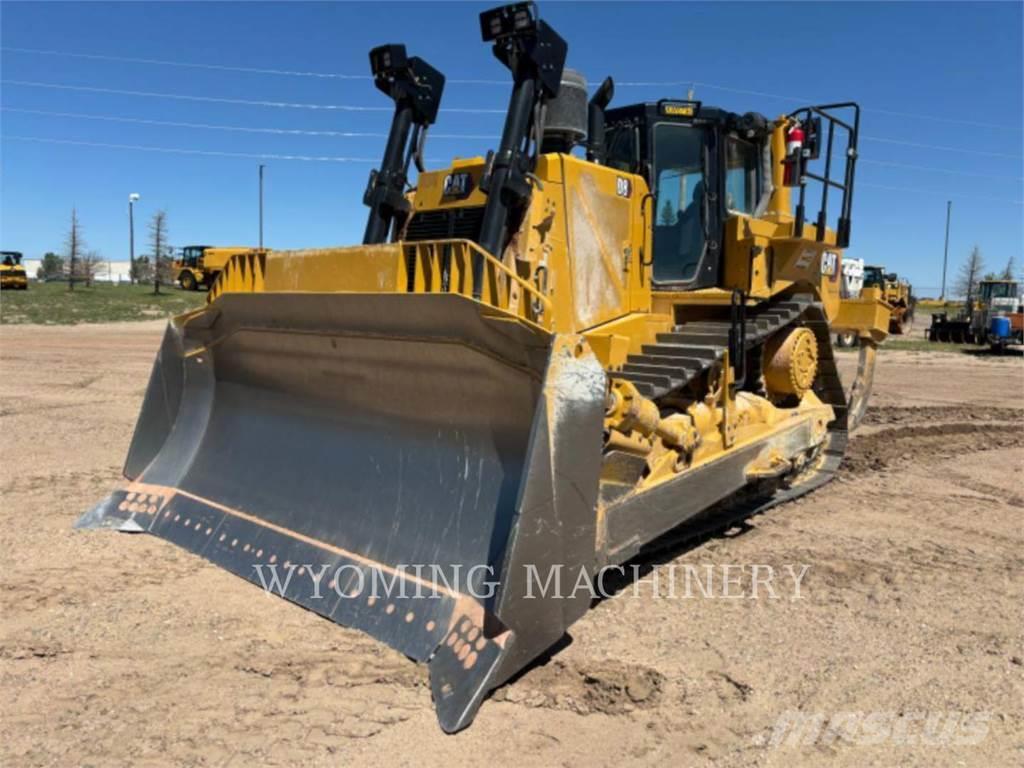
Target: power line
370, 134
242, 128
952, 120
224, 100
954, 196
908, 166
940, 148
185, 97
177, 124
223, 67
748, 92
192, 65
803, 100
912, 115
460, 136
475, 81
184, 151
334, 159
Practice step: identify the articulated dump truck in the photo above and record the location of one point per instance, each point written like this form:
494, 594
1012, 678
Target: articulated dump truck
537, 364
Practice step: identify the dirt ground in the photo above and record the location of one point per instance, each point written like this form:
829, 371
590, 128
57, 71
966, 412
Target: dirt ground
120, 650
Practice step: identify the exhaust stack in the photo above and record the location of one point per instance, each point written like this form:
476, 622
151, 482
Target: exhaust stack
595, 121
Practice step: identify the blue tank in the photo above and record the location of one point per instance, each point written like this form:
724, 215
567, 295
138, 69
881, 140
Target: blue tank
999, 327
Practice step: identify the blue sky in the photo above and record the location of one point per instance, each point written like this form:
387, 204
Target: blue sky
946, 76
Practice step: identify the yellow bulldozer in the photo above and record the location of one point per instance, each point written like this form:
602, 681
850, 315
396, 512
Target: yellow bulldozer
871, 285
537, 364
897, 293
12, 272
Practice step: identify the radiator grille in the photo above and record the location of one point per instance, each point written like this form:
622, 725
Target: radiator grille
451, 224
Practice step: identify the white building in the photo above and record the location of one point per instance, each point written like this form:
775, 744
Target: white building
113, 271
106, 271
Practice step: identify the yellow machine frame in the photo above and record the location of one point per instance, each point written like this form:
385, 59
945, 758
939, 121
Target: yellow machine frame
522, 393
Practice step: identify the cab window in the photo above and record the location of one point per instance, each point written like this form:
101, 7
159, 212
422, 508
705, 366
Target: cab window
998, 290
742, 175
873, 276
679, 202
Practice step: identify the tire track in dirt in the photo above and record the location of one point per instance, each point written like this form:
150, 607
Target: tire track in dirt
937, 431
884, 415
1014, 499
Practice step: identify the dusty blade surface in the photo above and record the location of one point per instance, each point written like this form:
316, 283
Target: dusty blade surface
380, 450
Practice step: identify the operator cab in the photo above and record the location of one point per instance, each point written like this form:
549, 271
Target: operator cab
192, 255
1001, 294
874, 277
10, 258
703, 165
998, 289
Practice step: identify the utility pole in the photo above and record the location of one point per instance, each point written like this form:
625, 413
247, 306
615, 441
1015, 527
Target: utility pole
131, 237
261, 206
945, 252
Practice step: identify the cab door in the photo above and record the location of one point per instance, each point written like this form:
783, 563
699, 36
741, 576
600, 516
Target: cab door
685, 256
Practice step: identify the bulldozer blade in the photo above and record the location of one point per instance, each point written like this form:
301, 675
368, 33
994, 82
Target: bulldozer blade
863, 382
395, 463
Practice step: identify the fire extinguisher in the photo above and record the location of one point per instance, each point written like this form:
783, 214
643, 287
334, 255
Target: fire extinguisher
794, 149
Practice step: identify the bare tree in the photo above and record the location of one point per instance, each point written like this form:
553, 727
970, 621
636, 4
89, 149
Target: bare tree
165, 265
89, 266
74, 248
158, 242
1010, 272
970, 275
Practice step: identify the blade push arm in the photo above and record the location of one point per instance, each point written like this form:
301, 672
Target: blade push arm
535, 54
416, 89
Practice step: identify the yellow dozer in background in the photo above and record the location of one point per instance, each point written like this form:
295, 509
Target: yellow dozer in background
897, 293
535, 365
199, 265
12, 271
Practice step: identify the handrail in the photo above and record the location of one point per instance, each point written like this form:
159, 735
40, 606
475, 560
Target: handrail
825, 112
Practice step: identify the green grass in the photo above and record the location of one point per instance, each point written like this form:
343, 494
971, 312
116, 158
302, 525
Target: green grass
54, 304
916, 343
926, 308
921, 344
